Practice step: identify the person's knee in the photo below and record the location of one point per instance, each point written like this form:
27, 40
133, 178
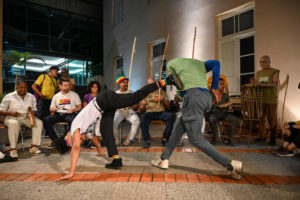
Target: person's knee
12, 123
144, 117
38, 123
212, 119
196, 140
135, 122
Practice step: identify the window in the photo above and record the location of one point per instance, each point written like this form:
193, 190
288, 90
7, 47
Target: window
155, 59
237, 23
236, 47
246, 59
117, 12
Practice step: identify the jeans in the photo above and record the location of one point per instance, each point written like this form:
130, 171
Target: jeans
52, 119
43, 106
195, 103
165, 116
222, 115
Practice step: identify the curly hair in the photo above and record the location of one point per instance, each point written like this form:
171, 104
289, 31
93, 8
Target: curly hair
90, 85
61, 146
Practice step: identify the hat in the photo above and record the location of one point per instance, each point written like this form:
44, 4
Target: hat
54, 68
120, 78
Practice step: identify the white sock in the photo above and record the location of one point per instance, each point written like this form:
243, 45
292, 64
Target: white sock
2, 155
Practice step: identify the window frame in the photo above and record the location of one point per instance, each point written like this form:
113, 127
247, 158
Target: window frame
235, 37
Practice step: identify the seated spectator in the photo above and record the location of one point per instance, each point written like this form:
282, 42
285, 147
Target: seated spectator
217, 113
65, 75
94, 89
291, 140
153, 111
48, 86
6, 158
65, 104
14, 107
226, 90
127, 114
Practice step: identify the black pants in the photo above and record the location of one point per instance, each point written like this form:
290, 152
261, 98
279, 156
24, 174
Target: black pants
43, 106
294, 137
52, 119
109, 101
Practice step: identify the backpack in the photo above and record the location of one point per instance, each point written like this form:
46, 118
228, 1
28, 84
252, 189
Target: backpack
37, 97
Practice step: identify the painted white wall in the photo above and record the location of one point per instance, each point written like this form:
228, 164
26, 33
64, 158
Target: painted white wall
278, 35
149, 22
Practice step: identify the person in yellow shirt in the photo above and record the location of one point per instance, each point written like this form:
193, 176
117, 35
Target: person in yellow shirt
209, 81
48, 86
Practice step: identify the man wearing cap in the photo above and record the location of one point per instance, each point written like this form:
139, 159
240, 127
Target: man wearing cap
48, 85
127, 114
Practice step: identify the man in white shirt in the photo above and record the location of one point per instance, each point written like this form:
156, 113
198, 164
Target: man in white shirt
65, 104
14, 107
127, 114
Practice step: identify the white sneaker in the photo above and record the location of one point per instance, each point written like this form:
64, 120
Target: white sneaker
34, 150
163, 164
237, 171
127, 142
14, 153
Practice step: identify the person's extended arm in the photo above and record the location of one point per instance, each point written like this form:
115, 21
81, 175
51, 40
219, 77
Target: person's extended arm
214, 66
74, 155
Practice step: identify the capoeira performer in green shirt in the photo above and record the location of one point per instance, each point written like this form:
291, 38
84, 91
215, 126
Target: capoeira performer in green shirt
197, 100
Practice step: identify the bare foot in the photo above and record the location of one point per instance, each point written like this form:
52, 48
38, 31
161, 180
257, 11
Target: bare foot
66, 176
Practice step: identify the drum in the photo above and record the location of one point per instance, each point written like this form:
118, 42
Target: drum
251, 99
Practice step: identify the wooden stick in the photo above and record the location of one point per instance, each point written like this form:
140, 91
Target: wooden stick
162, 64
132, 53
283, 106
130, 69
195, 32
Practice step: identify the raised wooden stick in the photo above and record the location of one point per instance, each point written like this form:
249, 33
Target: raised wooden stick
195, 32
130, 69
162, 64
283, 106
132, 53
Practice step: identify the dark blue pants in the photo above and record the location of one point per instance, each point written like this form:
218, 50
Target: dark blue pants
52, 119
165, 116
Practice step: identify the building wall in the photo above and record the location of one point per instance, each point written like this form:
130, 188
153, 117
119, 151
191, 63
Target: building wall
278, 35
276, 26
149, 22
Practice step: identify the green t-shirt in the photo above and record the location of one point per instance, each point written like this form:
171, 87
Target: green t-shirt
191, 72
266, 76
